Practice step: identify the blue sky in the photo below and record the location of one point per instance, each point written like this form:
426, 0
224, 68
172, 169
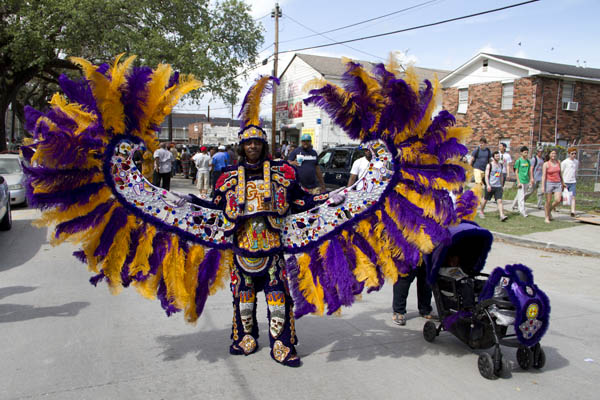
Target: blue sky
562, 31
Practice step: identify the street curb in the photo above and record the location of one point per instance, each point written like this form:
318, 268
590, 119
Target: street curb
538, 244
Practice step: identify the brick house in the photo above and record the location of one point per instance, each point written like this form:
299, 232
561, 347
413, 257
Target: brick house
524, 102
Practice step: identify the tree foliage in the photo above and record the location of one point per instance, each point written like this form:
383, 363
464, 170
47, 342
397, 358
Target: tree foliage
212, 40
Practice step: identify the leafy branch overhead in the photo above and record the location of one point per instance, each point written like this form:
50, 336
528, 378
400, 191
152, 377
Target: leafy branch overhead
211, 40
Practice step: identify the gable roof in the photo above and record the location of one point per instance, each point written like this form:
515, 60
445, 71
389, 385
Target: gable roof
552, 68
332, 67
533, 67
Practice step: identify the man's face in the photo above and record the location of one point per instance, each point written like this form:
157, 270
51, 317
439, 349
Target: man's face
253, 149
502, 147
306, 144
525, 153
572, 155
497, 157
368, 154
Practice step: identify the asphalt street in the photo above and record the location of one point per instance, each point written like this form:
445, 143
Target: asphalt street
65, 339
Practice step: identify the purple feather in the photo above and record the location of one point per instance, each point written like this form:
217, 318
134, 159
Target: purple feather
339, 272
117, 220
165, 303
411, 252
329, 292
97, 278
80, 255
134, 238
207, 271
135, 96
31, 117
366, 248
64, 199
90, 220
79, 92
465, 205
301, 305
161, 243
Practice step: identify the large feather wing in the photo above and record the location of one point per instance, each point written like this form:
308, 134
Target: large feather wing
82, 175
400, 212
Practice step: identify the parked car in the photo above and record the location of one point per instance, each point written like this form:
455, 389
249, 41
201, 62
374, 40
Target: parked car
11, 170
336, 163
5, 216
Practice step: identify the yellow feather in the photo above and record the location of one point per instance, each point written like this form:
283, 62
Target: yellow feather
192, 262
223, 272
251, 110
75, 111
56, 216
91, 238
174, 274
143, 251
313, 293
315, 83
365, 270
112, 264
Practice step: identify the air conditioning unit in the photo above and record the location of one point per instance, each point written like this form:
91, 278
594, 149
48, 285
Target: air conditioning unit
570, 105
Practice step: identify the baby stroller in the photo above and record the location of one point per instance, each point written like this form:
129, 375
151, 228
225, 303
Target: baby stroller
484, 311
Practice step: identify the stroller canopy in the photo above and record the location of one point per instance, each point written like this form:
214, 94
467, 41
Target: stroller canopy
469, 241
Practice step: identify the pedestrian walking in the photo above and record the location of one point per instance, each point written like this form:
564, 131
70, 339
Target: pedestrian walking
493, 185
505, 161
569, 168
185, 162
480, 158
537, 163
524, 174
219, 162
552, 182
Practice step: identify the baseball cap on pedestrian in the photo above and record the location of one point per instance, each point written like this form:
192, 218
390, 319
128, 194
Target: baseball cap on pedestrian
221, 147
203, 148
305, 136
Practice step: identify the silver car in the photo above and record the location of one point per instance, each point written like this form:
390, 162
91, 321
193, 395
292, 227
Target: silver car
5, 217
11, 170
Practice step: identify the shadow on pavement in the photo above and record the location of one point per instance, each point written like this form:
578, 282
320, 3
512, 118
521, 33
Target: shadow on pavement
362, 337
20, 244
12, 290
22, 312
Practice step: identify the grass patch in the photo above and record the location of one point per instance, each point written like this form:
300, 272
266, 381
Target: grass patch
519, 225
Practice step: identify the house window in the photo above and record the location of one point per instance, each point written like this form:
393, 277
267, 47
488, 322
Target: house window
567, 92
463, 101
507, 95
485, 65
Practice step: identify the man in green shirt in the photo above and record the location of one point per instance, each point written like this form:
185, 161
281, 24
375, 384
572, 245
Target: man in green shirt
524, 174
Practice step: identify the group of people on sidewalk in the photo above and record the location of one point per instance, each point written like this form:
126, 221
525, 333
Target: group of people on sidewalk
543, 174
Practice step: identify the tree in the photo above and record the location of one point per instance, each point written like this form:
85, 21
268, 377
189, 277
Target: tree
212, 40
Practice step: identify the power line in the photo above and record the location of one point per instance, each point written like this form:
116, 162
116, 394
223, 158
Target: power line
333, 40
361, 22
412, 28
264, 16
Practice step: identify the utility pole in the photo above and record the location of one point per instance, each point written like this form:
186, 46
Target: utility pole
276, 13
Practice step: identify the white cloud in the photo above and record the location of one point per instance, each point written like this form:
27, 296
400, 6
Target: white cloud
521, 54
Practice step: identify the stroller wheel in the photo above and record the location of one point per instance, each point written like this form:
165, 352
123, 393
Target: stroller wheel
485, 363
429, 331
539, 357
524, 357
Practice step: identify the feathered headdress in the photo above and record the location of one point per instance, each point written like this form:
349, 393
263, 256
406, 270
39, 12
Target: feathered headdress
250, 126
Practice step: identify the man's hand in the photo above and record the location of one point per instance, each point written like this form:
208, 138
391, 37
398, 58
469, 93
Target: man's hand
294, 163
323, 188
489, 188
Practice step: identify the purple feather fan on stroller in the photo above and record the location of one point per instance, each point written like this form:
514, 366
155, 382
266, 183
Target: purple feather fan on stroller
486, 310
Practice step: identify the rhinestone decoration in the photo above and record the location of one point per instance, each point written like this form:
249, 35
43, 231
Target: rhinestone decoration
208, 225
302, 228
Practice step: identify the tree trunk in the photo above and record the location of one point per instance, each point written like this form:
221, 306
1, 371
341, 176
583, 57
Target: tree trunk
3, 109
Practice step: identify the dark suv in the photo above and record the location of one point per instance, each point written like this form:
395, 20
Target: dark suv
336, 163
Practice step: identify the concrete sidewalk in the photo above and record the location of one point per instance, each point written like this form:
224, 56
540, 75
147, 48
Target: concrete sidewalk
582, 238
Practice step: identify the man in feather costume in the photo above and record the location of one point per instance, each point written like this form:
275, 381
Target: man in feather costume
83, 177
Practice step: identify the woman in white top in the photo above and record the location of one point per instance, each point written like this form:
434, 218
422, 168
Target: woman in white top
569, 168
